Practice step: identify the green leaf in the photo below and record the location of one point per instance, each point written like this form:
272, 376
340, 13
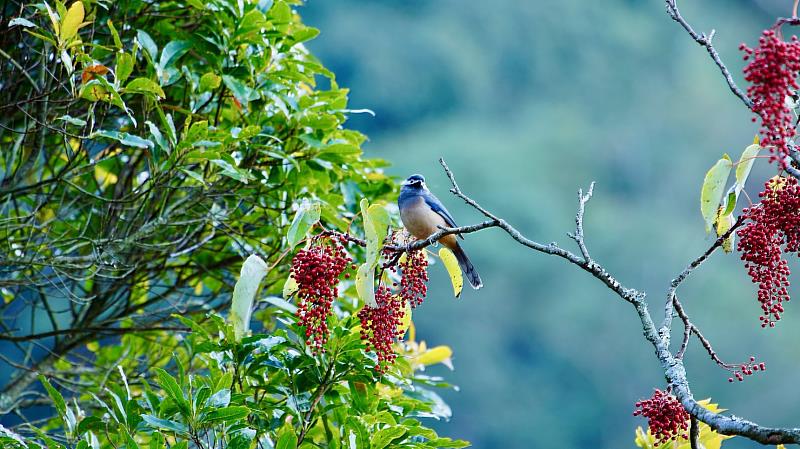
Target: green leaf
376, 223
340, 152
242, 93
281, 304
55, 396
713, 189
220, 399
744, 166
123, 138
226, 414
173, 390
244, 293
164, 424
365, 284
209, 81
73, 120
72, 21
114, 34
386, 436
124, 67
307, 216
148, 44
54, 21
286, 438
172, 51
145, 86
356, 426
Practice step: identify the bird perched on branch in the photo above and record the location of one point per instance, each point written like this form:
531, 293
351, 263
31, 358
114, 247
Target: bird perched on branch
423, 214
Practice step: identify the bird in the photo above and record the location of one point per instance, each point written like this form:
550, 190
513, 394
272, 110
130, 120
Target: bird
423, 214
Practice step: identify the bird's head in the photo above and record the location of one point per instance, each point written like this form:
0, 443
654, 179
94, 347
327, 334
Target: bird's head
414, 182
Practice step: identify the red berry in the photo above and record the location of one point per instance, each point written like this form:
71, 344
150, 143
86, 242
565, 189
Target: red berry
772, 73
317, 270
772, 228
379, 326
666, 417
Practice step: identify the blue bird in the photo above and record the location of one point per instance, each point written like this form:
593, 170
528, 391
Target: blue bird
423, 214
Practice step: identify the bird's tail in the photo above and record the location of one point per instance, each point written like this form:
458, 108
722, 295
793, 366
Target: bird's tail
467, 268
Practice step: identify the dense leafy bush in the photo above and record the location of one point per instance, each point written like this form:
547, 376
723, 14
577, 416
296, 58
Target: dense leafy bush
149, 147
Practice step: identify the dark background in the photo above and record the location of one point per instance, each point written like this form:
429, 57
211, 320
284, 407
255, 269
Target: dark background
529, 101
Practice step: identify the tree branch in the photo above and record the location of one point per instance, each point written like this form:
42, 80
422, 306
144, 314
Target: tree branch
674, 370
705, 42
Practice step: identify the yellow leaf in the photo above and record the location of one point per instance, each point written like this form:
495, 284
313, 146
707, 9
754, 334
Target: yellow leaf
412, 332
724, 224
644, 440
756, 140
290, 287
450, 262
405, 322
93, 346
434, 355
72, 21
198, 289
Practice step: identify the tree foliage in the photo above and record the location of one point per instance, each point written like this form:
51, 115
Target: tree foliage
149, 147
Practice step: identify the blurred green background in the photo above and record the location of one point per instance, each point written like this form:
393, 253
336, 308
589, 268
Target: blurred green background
529, 101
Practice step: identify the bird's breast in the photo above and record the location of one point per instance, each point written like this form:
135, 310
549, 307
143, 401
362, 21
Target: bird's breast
421, 221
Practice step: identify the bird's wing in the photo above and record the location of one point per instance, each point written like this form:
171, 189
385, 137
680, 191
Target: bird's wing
438, 207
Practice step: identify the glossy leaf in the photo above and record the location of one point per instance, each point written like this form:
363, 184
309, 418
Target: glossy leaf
72, 21
453, 269
244, 293
55, 396
713, 189
145, 86
365, 284
123, 138
744, 166
165, 424
307, 216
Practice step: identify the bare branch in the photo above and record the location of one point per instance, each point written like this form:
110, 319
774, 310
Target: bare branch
672, 365
705, 41
664, 331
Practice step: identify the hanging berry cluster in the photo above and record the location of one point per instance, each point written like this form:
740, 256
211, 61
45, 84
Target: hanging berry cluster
316, 271
666, 417
379, 326
746, 369
772, 228
414, 277
772, 73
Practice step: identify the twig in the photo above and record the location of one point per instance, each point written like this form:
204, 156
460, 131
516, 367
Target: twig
705, 41
673, 286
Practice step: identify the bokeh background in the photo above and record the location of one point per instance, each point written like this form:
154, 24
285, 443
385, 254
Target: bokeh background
529, 101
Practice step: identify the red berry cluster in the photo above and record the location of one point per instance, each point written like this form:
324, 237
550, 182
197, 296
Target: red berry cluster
772, 73
747, 369
666, 417
316, 271
773, 228
379, 326
414, 277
